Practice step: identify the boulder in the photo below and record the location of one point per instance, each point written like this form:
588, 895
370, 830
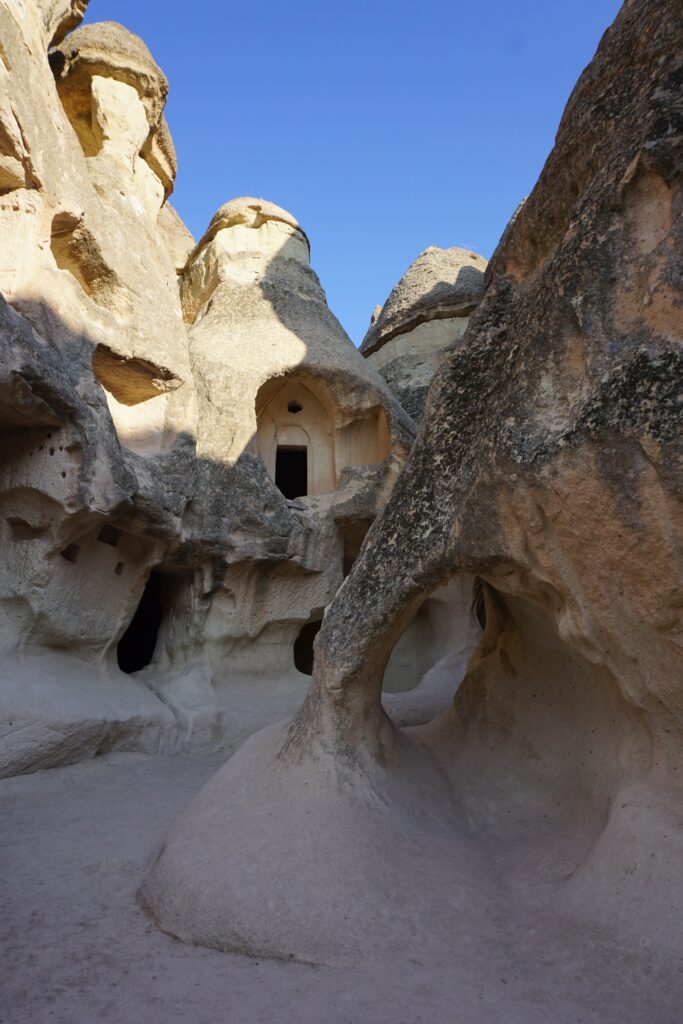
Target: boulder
106, 49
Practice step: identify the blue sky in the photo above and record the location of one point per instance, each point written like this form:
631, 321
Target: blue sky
383, 126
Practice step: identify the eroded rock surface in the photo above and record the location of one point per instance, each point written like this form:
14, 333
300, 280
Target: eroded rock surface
548, 464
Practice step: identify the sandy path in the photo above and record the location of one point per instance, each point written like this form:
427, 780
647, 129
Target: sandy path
78, 950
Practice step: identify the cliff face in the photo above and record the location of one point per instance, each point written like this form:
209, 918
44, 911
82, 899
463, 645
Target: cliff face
547, 464
152, 573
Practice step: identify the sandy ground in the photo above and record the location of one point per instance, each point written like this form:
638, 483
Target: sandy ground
76, 948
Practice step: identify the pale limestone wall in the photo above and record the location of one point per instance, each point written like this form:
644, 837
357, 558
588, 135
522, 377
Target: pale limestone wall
262, 339
142, 427
87, 277
428, 342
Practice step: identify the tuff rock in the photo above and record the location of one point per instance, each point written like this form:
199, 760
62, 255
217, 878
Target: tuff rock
548, 466
207, 494
158, 591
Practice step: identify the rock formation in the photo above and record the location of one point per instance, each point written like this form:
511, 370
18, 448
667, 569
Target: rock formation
423, 321
547, 464
159, 588
298, 444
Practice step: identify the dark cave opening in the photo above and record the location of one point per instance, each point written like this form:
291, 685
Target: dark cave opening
291, 470
479, 601
135, 649
303, 647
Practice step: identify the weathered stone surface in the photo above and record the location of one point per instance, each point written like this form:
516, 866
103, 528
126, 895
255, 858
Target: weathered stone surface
95, 368
423, 320
255, 213
548, 463
440, 284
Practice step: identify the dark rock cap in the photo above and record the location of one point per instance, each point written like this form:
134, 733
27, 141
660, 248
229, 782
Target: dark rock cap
110, 50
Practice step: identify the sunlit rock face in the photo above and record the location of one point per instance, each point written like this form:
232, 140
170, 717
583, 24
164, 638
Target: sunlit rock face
159, 586
547, 465
423, 321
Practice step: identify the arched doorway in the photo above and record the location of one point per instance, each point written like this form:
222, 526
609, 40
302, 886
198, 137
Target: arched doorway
295, 420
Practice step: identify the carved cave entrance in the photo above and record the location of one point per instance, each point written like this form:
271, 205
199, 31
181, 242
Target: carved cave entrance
135, 649
295, 419
291, 470
303, 647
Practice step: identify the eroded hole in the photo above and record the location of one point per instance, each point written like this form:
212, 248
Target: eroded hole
131, 380
70, 552
119, 568
478, 601
76, 250
291, 470
294, 407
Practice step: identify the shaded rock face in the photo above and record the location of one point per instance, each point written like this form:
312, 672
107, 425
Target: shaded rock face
140, 521
548, 464
423, 321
